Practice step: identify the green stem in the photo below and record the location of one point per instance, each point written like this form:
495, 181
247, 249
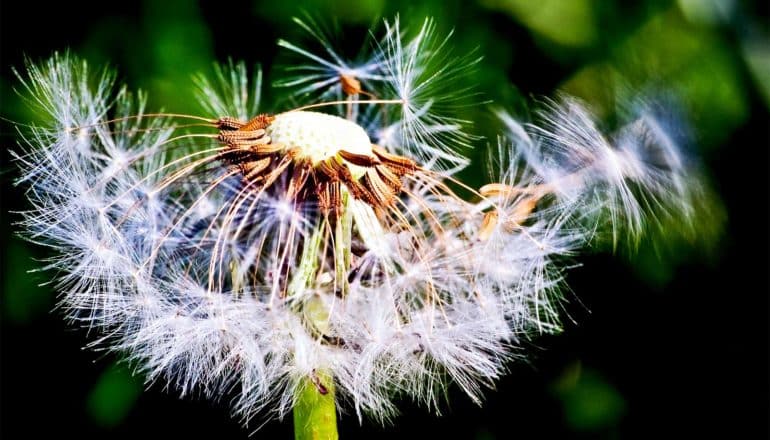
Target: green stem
342, 242
315, 414
308, 264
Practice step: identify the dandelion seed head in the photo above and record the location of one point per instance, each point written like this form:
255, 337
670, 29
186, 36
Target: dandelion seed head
251, 253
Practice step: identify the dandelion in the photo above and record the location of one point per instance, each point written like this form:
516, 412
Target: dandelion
298, 259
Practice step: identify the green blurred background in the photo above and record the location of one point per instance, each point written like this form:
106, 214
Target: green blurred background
670, 342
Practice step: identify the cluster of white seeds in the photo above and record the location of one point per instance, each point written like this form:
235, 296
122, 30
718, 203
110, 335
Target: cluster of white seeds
215, 286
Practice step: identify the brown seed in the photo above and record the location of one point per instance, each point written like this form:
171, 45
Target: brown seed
399, 164
389, 177
329, 198
357, 190
229, 123
342, 171
267, 148
298, 179
488, 225
381, 192
520, 213
258, 122
497, 189
241, 135
362, 160
350, 85
245, 141
326, 169
254, 168
360, 192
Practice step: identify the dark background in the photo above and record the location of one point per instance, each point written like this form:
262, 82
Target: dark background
666, 343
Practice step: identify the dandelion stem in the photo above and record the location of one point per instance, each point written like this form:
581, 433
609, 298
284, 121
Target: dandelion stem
315, 414
342, 243
308, 265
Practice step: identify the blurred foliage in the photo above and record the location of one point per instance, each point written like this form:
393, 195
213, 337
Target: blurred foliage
707, 12
113, 396
668, 55
348, 11
710, 56
571, 23
23, 298
757, 55
590, 402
